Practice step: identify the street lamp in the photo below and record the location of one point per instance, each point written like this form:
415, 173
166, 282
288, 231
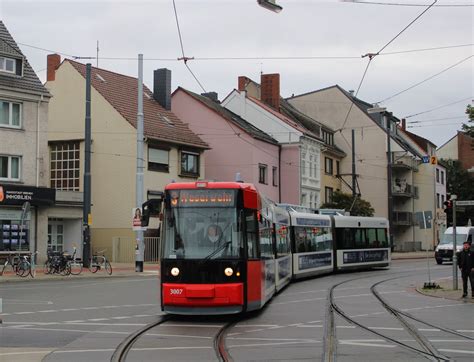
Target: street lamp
270, 5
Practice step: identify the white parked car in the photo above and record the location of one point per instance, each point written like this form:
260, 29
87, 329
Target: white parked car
444, 250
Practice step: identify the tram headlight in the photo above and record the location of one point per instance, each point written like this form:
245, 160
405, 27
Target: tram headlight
228, 272
175, 272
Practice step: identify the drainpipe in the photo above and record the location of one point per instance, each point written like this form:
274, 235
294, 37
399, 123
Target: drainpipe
279, 173
38, 139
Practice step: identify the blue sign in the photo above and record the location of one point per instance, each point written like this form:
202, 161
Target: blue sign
425, 159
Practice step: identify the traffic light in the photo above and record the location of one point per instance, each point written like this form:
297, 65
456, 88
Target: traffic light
448, 204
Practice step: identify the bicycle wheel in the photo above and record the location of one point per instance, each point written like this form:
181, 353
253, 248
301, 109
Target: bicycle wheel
47, 268
93, 266
23, 268
76, 267
66, 270
108, 267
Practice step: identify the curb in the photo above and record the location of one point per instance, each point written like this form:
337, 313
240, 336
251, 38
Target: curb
464, 300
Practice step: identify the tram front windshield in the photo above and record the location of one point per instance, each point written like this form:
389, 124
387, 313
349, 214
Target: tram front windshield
201, 232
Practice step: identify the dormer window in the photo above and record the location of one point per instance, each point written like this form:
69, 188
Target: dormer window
8, 65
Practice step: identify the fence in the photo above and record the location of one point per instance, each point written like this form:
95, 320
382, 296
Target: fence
123, 250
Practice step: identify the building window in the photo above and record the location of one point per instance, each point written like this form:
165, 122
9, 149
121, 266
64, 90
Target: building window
10, 114
328, 165
338, 170
275, 176
442, 200
328, 138
437, 175
437, 200
442, 177
65, 166
328, 194
8, 65
10, 168
310, 166
190, 163
158, 159
262, 174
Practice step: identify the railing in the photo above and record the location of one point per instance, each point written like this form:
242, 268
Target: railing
123, 250
402, 189
402, 218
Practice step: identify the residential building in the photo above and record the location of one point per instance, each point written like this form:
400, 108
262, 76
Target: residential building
300, 146
236, 145
397, 192
23, 152
172, 151
312, 182
460, 148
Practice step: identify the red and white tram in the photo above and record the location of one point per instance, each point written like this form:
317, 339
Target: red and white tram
226, 249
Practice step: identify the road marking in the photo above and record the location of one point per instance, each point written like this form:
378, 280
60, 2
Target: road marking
338, 297
274, 339
455, 351
78, 321
22, 353
176, 335
68, 309
272, 344
311, 326
387, 328
88, 308
428, 329
346, 327
42, 311
366, 344
436, 306
465, 331
21, 313
29, 302
98, 319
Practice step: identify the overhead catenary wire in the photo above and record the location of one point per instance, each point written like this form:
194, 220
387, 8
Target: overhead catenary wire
403, 4
439, 107
425, 80
184, 58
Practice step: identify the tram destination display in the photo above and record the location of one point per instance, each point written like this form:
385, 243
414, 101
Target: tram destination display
203, 198
364, 256
314, 260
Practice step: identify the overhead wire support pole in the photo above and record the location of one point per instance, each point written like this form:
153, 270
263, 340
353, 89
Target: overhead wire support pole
354, 193
140, 252
86, 251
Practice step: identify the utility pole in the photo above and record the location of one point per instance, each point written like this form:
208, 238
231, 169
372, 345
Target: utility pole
455, 257
140, 252
386, 117
354, 194
86, 250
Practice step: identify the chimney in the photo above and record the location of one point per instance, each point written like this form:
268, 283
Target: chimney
270, 90
243, 81
53, 61
162, 87
212, 96
404, 124
351, 91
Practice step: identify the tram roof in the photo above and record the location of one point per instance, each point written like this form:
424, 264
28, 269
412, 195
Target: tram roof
203, 185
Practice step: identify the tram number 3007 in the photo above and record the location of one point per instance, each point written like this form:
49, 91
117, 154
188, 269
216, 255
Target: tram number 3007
176, 291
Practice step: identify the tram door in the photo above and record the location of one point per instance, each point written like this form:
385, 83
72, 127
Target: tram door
55, 234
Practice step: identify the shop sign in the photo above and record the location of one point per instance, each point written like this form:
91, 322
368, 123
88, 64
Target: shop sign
12, 215
18, 195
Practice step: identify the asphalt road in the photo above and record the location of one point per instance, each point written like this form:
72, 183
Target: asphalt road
85, 320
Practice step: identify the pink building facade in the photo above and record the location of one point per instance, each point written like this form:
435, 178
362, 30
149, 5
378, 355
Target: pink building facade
236, 145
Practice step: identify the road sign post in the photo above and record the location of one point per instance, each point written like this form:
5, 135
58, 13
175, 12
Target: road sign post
455, 257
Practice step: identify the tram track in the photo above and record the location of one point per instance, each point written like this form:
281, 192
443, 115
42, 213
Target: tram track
427, 349
121, 352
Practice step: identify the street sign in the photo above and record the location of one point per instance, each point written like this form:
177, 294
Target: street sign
433, 160
424, 219
425, 159
465, 203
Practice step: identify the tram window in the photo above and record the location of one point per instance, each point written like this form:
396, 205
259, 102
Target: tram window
300, 240
360, 241
382, 237
266, 245
372, 238
251, 221
282, 240
312, 239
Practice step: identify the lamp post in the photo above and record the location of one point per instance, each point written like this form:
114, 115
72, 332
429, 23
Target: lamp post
270, 5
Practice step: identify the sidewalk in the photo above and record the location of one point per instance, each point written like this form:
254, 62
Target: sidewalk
446, 291
118, 270
413, 255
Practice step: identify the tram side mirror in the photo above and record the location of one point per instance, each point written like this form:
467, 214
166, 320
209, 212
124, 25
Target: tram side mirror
150, 208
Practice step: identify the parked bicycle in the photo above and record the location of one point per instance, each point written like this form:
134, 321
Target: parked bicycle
75, 263
57, 263
26, 265
100, 261
13, 261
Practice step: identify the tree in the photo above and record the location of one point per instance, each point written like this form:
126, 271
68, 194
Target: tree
466, 127
459, 183
341, 200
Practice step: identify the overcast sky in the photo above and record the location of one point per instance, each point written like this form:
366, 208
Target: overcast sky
240, 28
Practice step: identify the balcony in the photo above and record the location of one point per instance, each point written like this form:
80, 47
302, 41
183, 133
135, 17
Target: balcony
402, 218
402, 189
401, 162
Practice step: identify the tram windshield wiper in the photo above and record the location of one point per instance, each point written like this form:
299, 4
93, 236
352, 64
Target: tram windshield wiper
220, 248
